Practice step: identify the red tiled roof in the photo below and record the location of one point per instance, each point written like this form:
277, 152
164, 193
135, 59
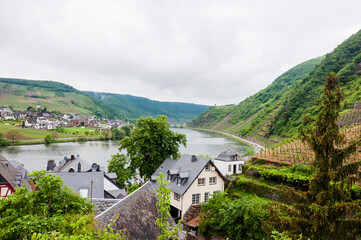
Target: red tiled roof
194, 222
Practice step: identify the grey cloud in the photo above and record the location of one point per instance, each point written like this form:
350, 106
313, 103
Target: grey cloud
209, 52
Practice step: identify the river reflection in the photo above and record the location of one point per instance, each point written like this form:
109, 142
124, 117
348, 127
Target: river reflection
34, 157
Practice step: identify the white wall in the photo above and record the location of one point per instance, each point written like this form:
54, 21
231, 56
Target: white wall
223, 166
186, 199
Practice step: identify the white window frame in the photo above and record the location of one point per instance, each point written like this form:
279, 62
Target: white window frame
212, 180
230, 168
201, 184
196, 198
176, 197
239, 167
206, 196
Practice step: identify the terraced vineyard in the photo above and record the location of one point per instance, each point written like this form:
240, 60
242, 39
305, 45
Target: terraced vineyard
297, 151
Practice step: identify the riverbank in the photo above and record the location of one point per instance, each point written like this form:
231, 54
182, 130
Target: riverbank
61, 140
257, 147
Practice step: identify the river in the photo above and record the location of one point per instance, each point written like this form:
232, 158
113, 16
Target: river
35, 157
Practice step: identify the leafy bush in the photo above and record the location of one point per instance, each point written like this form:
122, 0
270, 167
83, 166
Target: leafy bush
48, 138
283, 175
234, 218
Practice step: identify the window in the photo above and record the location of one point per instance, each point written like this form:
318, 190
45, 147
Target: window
212, 180
216, 192
240, 167
229, 168
201, 181
206, 196
83, 193
195, 198
207, 167
179, 181
176, 196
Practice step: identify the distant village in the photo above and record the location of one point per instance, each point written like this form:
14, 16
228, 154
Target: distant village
39, 118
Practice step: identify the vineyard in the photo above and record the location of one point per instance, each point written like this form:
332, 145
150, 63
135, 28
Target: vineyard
297, 151
352, 117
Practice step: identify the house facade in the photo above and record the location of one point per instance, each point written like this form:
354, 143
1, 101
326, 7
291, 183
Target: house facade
229, 162
192, 180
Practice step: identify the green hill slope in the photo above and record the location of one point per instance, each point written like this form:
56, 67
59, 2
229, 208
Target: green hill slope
55, 96
133, 107
279, 109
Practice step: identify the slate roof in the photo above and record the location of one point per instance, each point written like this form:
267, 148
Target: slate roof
82, 180
14, 173
102, 204
188, 171
229, 155
65, 165
136, 214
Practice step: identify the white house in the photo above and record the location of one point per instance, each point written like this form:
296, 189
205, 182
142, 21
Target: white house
5, 110
192, 180
229, 162
8, 116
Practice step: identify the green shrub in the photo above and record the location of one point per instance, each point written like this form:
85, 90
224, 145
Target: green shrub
48, 138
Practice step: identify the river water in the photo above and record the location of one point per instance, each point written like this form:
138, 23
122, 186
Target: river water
35, 157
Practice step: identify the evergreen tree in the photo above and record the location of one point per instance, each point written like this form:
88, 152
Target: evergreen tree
326, 211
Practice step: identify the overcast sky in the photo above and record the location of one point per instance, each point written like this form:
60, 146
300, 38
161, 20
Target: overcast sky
205, 52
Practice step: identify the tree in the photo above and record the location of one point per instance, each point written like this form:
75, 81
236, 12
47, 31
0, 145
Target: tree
119, 165
13, 135
3, 142
151, 143
127, 130
326, 211
54, 211
45, 210
118, 134
106, 134
163, 195
48, 139
54, 135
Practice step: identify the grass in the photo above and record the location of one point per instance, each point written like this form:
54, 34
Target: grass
40, 134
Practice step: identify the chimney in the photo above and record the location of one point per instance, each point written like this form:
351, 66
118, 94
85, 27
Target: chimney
51, 165
79, 167
72, 157
194, 158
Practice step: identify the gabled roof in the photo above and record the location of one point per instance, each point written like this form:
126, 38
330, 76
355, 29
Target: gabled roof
188, 171
14, 173
135, 214
229, 155
66, 164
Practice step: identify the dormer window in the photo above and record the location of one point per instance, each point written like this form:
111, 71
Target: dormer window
207, 168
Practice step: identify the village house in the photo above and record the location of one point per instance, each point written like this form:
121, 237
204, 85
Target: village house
29, 123
89, 180
8, 116
229, 162
6, 110
93, 123
12, 175
192, 180
79, 120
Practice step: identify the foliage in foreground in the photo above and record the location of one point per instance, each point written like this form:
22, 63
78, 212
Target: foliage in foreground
238, 218
326, 211
52, 212
163, 194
